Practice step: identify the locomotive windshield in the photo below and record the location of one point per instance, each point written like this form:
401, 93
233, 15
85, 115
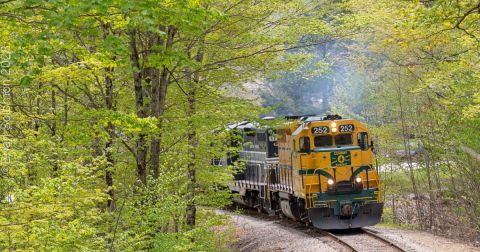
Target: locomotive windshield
344, 139
321, 141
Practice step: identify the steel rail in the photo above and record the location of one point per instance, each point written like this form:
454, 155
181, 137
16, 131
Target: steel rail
339, 240
383, 239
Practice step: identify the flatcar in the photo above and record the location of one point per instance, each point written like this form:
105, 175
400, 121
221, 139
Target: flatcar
314, 169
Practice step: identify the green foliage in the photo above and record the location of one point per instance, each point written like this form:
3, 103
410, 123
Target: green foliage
71, 152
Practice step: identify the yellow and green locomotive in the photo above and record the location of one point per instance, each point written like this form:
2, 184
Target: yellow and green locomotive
312, 169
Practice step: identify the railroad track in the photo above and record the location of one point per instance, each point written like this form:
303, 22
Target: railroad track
363, 240
339, 240
387, 241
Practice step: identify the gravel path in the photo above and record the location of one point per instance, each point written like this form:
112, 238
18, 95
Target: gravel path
263, 233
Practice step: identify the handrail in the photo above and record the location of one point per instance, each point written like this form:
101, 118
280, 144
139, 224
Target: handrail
310, 199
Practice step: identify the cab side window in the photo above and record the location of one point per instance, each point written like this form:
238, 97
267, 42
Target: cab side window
304, 143
363, 140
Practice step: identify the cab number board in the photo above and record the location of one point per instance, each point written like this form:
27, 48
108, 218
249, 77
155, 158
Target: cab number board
320, 130
346, 128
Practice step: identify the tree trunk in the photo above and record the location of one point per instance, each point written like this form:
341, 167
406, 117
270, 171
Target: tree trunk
53, 129
159, 94
65, 111
109, 104
406, 145
111, 139
141, 144
430, 190
192, 142
39, 112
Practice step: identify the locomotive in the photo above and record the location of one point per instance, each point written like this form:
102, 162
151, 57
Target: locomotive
315, 169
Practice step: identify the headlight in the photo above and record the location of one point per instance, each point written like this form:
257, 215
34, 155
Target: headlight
334, 130
358, 179
334, 124
330, 182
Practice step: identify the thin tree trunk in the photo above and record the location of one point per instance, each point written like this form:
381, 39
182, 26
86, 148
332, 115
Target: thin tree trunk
141, 144
53, 129
36, 121
111, 139
109, 104
192, 142
430, 190
65, 107
65, 111
406, 145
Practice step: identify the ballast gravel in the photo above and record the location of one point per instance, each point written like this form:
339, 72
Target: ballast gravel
263, 233
254, 234
421, 241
